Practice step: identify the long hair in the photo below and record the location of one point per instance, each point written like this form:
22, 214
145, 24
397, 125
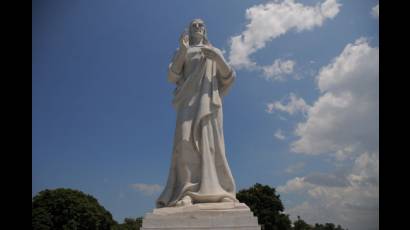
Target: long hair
205, 40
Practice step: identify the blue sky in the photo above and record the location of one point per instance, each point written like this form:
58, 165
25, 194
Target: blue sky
302, 115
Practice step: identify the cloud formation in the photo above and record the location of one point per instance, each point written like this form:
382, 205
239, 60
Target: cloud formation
346, 114
294, 105
279, 134
351, 200
279, 69
295, 167
375, 11
273, 19
342, 122
147, 189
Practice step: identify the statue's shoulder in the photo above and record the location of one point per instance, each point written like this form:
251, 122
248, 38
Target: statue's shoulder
217, 50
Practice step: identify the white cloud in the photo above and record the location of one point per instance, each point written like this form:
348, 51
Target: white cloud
327, 179
293, 185
366, 170
375, 11
344, 122
279, 134
293, 106
147, 189
295, 167
271, 20
279, 69
346, 114
344, 154
354, 203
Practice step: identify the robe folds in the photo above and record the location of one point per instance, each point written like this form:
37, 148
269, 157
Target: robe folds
199, 168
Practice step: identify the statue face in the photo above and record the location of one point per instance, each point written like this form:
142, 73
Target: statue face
197, 28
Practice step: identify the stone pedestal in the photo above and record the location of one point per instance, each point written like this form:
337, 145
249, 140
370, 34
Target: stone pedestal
215, 216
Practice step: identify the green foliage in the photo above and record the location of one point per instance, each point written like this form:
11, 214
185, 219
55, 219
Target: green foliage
301, 225
130, 224
67, 209
266, 205
64, 209
327, 226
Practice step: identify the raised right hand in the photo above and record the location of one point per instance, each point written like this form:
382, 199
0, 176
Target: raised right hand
184, 41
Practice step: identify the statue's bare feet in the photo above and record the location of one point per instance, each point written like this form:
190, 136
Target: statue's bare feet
185, 201
226, 199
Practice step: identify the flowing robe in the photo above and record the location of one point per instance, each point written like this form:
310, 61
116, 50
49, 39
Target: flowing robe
199, 168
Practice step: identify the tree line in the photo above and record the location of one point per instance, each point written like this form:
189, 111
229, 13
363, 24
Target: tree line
69, 209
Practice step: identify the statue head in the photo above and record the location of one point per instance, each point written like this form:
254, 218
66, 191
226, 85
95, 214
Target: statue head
197, 31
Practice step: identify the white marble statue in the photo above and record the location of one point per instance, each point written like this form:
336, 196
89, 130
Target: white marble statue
199, 171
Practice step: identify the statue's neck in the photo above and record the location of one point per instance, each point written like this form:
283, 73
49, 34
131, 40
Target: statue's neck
197, 41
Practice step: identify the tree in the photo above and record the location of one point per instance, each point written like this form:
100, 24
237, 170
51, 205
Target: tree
63, 209
301, 225
327, 226
130, 224
266, 205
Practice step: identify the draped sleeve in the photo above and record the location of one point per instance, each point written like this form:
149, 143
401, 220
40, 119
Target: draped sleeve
225, 81
174, 77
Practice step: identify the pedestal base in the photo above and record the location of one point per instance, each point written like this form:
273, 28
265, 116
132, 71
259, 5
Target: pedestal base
215, 216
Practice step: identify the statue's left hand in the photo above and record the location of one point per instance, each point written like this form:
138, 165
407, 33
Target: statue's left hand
210, 53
